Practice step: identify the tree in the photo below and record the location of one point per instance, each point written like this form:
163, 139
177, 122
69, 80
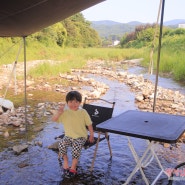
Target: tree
79, 32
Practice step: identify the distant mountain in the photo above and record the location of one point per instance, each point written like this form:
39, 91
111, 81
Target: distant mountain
135, 23
174, 22
105, 22
107, 28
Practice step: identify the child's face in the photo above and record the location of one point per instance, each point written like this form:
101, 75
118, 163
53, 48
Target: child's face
73, 104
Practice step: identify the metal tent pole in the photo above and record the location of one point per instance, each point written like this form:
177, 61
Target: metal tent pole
25, 91
158, 57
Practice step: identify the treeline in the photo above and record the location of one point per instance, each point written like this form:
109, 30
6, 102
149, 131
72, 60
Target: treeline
77, 32
74, 31
148, 35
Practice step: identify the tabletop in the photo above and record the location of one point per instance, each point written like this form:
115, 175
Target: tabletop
146, 125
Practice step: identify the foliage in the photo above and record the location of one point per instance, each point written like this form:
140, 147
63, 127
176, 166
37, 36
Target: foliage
80, 34
178, 31
55, 34
141, 37
73, 42
74, 31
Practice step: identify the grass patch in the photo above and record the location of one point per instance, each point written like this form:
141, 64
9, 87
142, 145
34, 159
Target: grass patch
171, 61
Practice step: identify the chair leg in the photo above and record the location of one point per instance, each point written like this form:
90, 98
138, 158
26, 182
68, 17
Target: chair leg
108, 141
95, 152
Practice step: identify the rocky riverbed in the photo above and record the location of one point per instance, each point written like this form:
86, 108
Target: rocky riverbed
168, 101
36, 164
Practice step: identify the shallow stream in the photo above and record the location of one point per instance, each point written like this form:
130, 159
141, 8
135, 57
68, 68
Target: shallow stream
41, 166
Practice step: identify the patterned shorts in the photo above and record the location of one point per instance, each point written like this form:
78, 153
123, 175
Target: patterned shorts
76, 145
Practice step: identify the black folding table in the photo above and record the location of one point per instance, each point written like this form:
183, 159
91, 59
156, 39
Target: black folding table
153, 127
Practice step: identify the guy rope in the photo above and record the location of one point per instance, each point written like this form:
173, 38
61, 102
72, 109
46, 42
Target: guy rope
13, 72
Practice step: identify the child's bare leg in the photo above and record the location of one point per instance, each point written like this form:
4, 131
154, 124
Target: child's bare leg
65, 163
74, 164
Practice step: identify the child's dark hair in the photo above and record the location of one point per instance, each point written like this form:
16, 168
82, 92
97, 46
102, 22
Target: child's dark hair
73, 95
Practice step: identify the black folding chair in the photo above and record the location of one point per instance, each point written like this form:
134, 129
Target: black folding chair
98, 115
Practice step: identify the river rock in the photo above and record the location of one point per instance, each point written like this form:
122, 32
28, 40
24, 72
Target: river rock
16, 123
38, 129
166, 145
38, 143
139, 98
20, 148
6, 134
22, 129
22, 165
1, 110
54, 146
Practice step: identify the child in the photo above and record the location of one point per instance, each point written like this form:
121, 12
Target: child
75, 120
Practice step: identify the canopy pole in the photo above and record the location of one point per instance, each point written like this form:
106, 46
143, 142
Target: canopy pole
159, 52
25, 91
150, 70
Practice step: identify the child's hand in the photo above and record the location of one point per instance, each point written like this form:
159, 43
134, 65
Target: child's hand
91, 138
58, 113
61, 109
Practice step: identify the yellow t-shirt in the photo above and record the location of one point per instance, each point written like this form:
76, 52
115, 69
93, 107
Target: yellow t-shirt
75, 122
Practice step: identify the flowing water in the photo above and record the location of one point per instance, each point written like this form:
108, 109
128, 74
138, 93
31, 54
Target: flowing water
167, 83
41, 166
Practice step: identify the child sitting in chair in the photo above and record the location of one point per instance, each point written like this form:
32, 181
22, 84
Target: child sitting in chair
76, 120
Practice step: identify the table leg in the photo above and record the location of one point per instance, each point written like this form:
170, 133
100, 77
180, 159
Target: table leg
160, 165
138, 163
144, 161
147, 160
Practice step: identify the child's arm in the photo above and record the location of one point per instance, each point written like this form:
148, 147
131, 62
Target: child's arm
58, 114
91, 138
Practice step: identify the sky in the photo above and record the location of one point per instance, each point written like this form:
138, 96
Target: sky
144, 11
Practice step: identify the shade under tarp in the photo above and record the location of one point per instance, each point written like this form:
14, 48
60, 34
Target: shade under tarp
20, 18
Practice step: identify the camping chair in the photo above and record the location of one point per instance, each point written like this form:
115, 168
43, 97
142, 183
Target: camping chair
98, 114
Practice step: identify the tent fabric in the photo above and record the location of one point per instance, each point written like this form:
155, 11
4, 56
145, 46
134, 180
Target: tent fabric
20, 18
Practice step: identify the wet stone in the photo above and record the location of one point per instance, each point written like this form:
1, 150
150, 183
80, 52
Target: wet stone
22, 165
20, 148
